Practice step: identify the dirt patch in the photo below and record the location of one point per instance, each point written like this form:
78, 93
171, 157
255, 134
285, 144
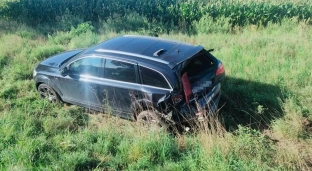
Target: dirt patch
307, 126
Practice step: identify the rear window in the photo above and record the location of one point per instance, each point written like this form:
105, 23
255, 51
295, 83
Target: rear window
153, 78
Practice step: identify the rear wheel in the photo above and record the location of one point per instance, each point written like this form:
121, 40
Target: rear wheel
151, 119
46, 92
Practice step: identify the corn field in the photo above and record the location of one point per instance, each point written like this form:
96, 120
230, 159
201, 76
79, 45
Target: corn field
168, 12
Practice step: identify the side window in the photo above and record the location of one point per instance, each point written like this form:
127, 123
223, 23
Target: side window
120, 71
87, 66
153, 78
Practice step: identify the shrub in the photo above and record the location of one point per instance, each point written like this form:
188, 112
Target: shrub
81, 29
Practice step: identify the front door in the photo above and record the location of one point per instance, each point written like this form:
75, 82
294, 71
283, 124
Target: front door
81, 83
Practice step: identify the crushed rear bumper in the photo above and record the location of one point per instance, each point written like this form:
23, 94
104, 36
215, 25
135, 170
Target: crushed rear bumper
207, 104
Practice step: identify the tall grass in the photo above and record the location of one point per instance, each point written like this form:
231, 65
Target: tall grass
264, 122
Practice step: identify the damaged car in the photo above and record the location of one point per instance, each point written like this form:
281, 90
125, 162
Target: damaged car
141, 78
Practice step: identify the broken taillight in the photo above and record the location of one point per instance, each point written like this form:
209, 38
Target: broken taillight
220, 69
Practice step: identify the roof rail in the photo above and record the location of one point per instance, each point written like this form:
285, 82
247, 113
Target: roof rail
132, 54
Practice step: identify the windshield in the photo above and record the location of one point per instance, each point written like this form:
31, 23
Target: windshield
77, 54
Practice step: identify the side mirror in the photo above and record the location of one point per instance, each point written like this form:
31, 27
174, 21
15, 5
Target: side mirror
64, 71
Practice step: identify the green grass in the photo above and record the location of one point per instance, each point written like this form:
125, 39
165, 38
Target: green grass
264, 122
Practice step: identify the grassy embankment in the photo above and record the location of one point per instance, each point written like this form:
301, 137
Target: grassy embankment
263, 124
268, 87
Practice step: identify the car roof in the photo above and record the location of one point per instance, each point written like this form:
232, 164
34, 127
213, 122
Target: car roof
146, 49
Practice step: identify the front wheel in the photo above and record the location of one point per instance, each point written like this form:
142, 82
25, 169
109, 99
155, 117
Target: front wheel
151, 119
46, 92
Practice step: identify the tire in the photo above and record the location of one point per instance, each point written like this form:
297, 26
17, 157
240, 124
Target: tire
151, 119
46, 92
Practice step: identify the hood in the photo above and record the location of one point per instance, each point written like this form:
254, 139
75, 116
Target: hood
59, 59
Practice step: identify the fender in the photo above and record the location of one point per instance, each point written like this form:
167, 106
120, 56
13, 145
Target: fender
53, 83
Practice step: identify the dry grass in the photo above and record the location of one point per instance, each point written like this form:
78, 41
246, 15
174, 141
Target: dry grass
291, 125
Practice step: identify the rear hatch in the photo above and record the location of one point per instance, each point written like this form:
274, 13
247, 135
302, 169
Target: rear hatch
199, 75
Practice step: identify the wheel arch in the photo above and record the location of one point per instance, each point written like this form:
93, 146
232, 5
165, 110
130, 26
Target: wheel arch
45, 80
141, 105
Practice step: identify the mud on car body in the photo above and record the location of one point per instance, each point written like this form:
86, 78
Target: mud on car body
135, 77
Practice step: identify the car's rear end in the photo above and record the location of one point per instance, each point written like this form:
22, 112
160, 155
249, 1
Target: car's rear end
199, 77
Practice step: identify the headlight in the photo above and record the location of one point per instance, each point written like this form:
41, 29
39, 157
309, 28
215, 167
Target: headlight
34, 73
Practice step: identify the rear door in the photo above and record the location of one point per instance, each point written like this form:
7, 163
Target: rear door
120, 87
154, 85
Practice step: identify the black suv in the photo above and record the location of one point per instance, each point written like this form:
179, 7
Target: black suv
135, 77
